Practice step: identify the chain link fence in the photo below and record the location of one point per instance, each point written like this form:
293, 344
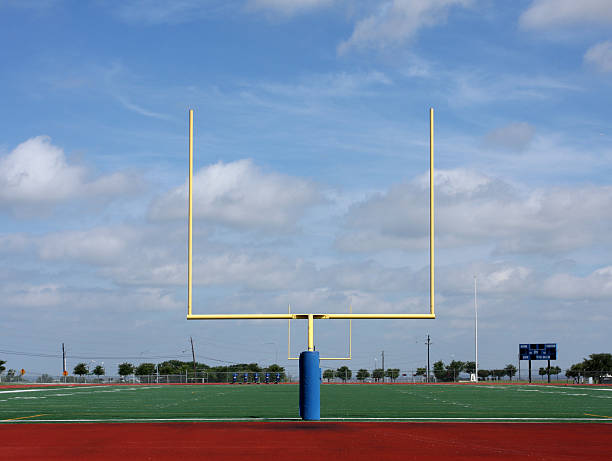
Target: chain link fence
328, 375
242, 377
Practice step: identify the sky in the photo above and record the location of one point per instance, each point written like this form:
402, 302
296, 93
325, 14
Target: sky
311, 178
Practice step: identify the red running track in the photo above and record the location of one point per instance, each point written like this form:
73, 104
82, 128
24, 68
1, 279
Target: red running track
306, 441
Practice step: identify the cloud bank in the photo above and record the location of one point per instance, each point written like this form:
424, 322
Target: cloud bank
37, 175
394, 22
240, 195
544, 14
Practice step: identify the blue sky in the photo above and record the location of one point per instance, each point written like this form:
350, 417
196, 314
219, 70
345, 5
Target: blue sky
311, 124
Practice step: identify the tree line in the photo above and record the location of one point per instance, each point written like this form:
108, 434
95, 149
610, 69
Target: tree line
177, 367
345, 373
596, 366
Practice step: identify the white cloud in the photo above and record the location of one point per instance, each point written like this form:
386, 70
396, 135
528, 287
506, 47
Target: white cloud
96, 246
596, 285
288, 8
514, 136
394, 22
44, 295
36, 174
475, 87
543, 14
240, 195
600, 56
62, 299
473, 209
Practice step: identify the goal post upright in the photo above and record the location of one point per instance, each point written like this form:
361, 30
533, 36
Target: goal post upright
190, 213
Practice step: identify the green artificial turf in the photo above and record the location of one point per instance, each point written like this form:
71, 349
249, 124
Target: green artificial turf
417, 402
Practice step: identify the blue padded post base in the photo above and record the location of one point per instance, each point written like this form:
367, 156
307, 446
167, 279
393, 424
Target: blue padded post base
310, 386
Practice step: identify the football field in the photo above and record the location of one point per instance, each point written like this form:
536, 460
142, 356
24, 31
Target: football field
342, 402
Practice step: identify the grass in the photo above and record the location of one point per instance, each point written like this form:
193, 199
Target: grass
401, 402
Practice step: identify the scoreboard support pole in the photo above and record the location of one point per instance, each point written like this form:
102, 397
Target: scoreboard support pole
530, 370
548, 371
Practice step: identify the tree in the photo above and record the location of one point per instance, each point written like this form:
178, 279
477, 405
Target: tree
510, 370
10, 375
145, 369
575, 371
328, 375
125, 369
439, 370
378, 374
555, 371
483, 374
274, 368
98, 371
2, 368
598, 365
81, 369
453, 370
392, 373
363, 374
344, 373
421, 371
543, 372
470, 367
498, 374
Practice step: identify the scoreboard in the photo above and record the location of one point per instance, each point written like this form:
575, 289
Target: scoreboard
538, 351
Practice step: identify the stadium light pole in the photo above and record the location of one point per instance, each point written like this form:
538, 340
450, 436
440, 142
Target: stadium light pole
275, 350
475, 330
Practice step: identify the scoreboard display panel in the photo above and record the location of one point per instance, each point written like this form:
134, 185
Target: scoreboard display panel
543, 351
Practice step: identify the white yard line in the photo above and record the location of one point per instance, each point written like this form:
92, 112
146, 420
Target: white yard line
14, 391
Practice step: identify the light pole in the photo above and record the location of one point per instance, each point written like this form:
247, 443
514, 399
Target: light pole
275, 351
475, 330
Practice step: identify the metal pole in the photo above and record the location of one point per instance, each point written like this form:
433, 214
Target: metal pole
529, 369
428, 343
383, 366
193, 355
476, 329
310, 332
548, 371
64, 362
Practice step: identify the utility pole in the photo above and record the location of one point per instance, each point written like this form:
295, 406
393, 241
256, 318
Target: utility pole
428, 344
383, 366
64, 362
193, 355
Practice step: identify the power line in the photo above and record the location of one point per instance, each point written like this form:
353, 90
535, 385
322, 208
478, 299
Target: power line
106, 357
